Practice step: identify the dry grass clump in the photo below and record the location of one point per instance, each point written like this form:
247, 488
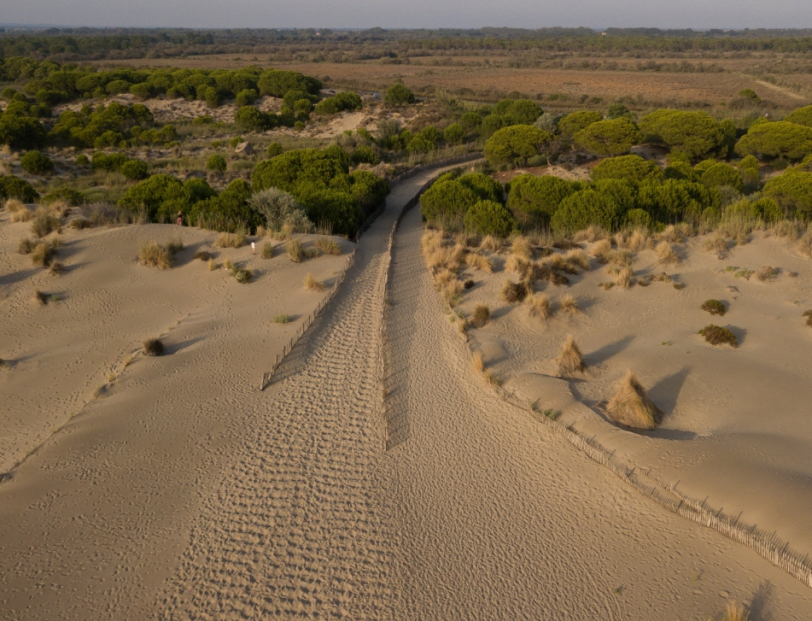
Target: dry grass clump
153, 347
714, 307
661, 277
327, 246
294, 250
624, 277
230, 240
481, 316
14, 205
666, 254
479, 366
22, 215
601, 250
805, 247
26, 246
591, 234
716, 335
479, 261
203, 255
517, 263
631, 406
638, 239
43, 254
808, 315
40, 298
514, 292
570, 361
80, 223
606, 285
521, 247
578, 257
439, 256
734, 612
431, 239
478, 361
266, 252
212, 265
451, 288
490, 244
767, 274
281, 318
671, 234
539, 306
57, 268
45, 223
717, 244
569, 304
311, 284
153, 254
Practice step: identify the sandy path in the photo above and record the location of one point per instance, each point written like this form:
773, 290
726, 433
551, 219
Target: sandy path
499, 519
784, 91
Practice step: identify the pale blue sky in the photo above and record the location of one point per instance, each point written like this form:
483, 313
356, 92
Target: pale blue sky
697, 14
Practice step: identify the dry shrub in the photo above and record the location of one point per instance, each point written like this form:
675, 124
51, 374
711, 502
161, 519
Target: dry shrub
431, 239
242, 275
601, 250
451, 258
671, 234
294, 250
44, 223
714, 307
491, 244
539, 306
717, 244
666, 254
22, 215
661, 277
267, 250
452, 291
620, 258
478, 361
808, 315
785, 228
521, 247
327, 246
591, 234
153, 254
517, 263
469, 241
153, 347
638, 240
481, 316
26, 246
631, 406
311, 284
606, 285
569, 304
578, 257
14, 205
80, 223
570, 361
230, 240
43, 254
39, 298
203, 255
767, 274
514, 292
262, 231
624, 276
716, 335
212, 265
57, 268
228, 264
479, 262
734, 612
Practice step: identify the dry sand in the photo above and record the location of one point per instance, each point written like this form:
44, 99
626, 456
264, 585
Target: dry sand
189, 494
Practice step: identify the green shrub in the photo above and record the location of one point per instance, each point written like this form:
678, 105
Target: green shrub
274, 149
487, 217
72, 197
514, 145
281, 318
696, 134
36, 163
242, 276
280, 209
716, 335
792, 191
14, 187
44, 223
454, 133
135, 170
801, 116
153, 347
249, 118
638, 219
577, 121
777, 139
714, 307
21, 132
583, 209
628, 168
611, 137
484, 186
534, 200
216, 163
446, 201
720, 174
399, 95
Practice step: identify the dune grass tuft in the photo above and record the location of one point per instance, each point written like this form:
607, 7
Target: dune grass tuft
203, 255
514, 292
212, 265
26, 246
44, 223
734, 612
624, 276
40, 298
153, 254
600, 250
242, 275
805, 247
328, 246
153, 347
481, 316
174, 245
521, 248
294, 250
569, 304
631, 406
80, 223
311, 284
43, 254
479, 262
491, 244
718, 244
230, 240
578, 257
808, 315
517, 263
767, 274
22, 215
714, 307
716, 335
539, 306
666, 254
57, 268
570, 361
282, 318
14, 205
266, 252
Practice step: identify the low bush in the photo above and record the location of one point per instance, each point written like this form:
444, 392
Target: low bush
44, 223
57, 268
202, 255
242, 275
153, 347
569, 304
153, 254
311, 284
539, 306
230, 240
80, 223
26, 246
267, 250
514, 292
295, 251
217, 163
36, 163
808, 315
714, 307
282, 318
481, 316
43, 254
328, 246
716, 335
767, 274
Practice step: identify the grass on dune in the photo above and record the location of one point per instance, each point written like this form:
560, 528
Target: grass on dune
631, 406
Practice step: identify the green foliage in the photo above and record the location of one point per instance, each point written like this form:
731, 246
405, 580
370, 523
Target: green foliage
638, 219
778, 139
720, 174
487, 217
583, 209
249, 118
36, 163
470, 121
72, 197
484, 186
288, 170
339, 103
576, 121
217, 163
399, 95
801, 116
111, 162
631, 168
364, 154
534, 200
160, 197
108, 126
246, 97
492, 124
446, 201
518, 111
682, 171
278, 83
611, 137
617, 110
278, 209
20, 131
14, 187
135, 170
331, 207
368, 190
454, 133
623, 193
274, 149
229, 211
674, 201
792, 191
696, 134
514, 145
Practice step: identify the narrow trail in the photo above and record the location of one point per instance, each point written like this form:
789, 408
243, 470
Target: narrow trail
780, 89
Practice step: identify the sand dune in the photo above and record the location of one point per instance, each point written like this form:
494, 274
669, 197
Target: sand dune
189, 494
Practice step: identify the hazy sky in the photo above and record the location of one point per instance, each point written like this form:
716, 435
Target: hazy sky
411, 13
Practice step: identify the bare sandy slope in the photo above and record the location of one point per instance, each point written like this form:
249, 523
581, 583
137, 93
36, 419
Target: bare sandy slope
737, 430
91, 524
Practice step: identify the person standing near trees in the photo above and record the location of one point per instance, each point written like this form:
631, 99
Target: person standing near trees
179, 220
